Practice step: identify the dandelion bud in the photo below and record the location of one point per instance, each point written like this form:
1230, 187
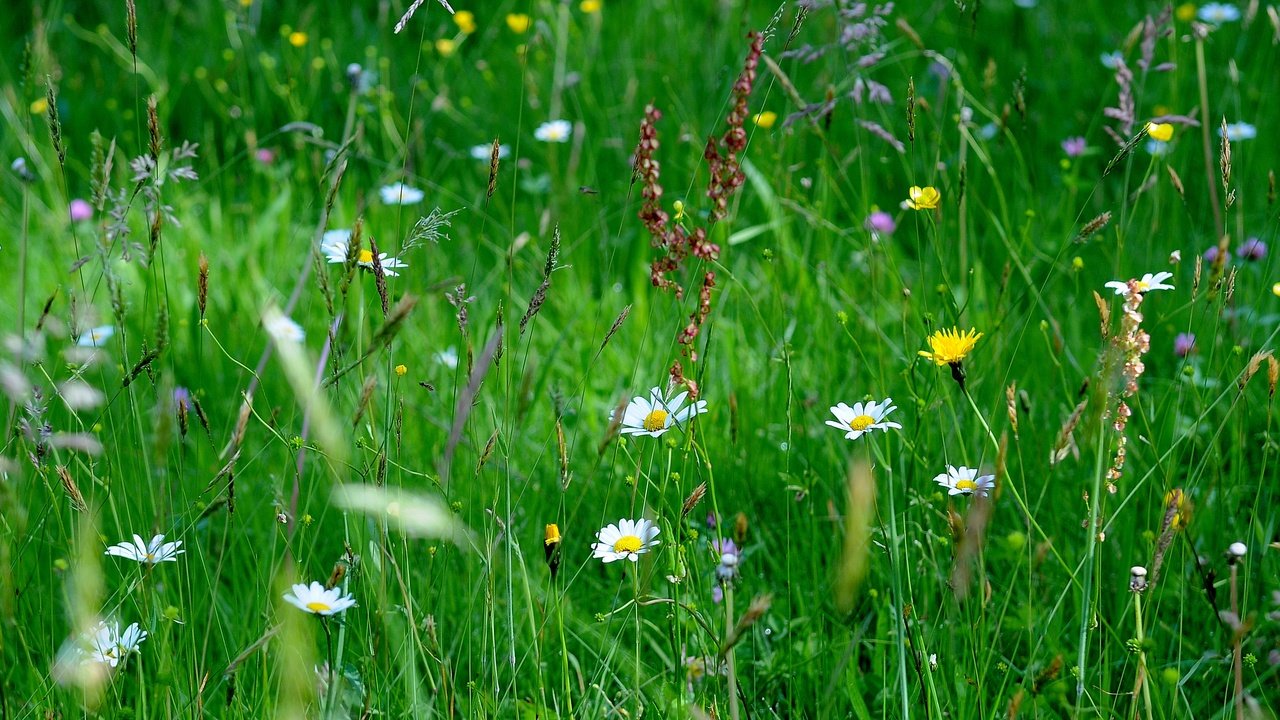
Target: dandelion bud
1137, 578
551, 546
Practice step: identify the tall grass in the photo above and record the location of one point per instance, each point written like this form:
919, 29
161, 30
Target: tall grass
412, 444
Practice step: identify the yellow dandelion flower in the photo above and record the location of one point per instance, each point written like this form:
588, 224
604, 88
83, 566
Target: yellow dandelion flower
445, 46
400, 369
923, 198
1160, 131
519, 23
552, 535
40, 107
1186, 12
765, 119
947, 347
298, 38
590, 6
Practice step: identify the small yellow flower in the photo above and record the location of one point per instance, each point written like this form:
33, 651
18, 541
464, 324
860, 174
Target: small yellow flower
1186, 12
246, 3
1275, 289
1160, 131
401, 370
465, 20
950, 346
40, 107
297, 38
552, 535
678, 206
590, 6
519, 23
445, 46
765, 119
923, 198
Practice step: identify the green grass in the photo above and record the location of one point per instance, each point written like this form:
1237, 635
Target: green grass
1029, 614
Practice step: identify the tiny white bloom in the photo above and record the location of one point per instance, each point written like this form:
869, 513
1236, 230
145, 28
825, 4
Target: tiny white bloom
156, 551
484, 152
863, 417
1237, 549
964, 481
1237, 131
1112, 60
282, 328
554, 131
1218, 13
448, 357
400, 194
1147, 283
316, 599
656, 415
97, 337
627, 540
337, 244
110, 646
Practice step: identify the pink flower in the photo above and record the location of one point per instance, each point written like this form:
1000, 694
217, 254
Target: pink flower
266, 156
880, 222
1074, 146
80, 210
1184, 344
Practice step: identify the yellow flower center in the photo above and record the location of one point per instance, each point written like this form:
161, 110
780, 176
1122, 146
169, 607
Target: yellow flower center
150, 557
862, 422
655, 420
318, 607
365, 257
1143, 286
628, 543
966, 485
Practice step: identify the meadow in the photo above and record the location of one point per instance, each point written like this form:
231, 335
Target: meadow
604, 358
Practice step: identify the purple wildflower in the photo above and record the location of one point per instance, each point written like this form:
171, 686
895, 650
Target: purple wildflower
880, 223
1074, 146
80, 210
1252, 249
1184, 344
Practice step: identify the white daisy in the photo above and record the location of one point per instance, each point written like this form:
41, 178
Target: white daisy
863, 417
1146, 284
655, 416
484, 152
554, 131
109, 646
1238, 131
965, 481
282, 328
317, 600
337, 243
400, 194
156, 551
1218, 13
627, 540
97, 337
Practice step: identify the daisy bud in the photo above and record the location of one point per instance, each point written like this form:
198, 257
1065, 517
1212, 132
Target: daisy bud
1137, 578
1235, 552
